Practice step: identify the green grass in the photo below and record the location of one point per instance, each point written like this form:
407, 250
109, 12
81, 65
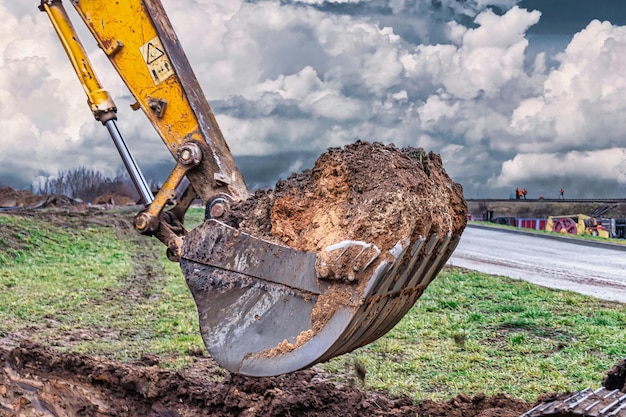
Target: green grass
95, 290
79, 287
44, 273
472, 333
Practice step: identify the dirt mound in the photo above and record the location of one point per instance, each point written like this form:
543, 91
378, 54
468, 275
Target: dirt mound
113, 199
10, 198
38, 381
368, 192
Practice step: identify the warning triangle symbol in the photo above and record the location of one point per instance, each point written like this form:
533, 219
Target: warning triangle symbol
153, 53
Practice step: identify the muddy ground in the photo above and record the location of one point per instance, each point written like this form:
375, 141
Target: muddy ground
37, 380
10, 198
24, 199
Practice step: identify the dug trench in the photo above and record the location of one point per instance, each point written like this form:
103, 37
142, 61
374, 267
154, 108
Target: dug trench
45, 378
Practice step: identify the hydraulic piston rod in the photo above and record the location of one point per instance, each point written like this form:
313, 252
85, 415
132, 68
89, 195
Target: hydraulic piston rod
100, 102
131, 166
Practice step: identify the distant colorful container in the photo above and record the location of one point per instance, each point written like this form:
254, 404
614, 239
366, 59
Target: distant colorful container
535, 224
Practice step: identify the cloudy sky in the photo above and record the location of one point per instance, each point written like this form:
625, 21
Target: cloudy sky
511, 93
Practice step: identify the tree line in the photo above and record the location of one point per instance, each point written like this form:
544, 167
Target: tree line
86, 184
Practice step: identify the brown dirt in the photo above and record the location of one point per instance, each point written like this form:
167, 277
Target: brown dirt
368, 192
365, 191
616, 377
113, 199
38, 381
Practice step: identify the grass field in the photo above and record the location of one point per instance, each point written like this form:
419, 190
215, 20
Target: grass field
92, 285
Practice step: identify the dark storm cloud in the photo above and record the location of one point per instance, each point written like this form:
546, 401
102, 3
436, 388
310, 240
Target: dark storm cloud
263, 171
416, 21
566, 17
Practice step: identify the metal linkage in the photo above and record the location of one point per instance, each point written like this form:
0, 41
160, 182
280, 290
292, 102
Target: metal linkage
99, 100
129, 162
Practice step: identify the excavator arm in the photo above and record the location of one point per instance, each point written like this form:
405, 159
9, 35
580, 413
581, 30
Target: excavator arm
138, 39
263, 307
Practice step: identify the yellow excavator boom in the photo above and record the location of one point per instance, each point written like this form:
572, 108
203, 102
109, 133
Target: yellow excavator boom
138, 39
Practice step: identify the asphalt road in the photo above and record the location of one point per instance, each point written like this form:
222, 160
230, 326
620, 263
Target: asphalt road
589, 269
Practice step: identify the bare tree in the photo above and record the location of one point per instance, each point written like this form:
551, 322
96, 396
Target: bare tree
87, 184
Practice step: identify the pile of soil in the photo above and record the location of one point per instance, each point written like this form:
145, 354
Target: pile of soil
616, 377
38, 381
10, 198
368, 192
358, 205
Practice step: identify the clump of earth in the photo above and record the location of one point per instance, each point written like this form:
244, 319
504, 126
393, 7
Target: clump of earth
616, 377
358, 209
113, 199
369, 192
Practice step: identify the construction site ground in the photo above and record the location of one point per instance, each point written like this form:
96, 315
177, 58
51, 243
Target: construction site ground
46, 378
43, 379
37, 379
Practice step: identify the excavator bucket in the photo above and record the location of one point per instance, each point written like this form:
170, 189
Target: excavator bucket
267, 308
327, 262
264, 310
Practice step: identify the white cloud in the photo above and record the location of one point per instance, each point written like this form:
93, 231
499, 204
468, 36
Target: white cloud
304, 75
600, 165
313, 96
581, 102
490, 56
437, 109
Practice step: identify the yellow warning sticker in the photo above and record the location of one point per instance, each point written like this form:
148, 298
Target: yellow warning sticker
156, 60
